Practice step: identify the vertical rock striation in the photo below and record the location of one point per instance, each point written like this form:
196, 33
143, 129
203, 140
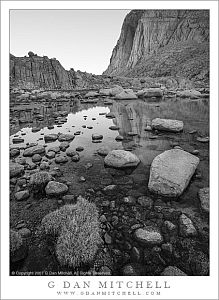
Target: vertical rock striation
161, 43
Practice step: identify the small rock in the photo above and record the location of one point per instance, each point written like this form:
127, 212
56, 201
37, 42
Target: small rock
44, 166
82, 179
172, 271
203, 139
68, 198
114, 127
88, 166
167, 248
36, 158
103, 151
79, 149
110, 189
129, 200
103, 219
135, 254
75, 158
55, 188
130, 270
25, 232
50, 154
22, 195
145, 201
105, 271
107, 238
148, 235
204, 198
186, 226
61, 159
96, 136
119, 138
16, 169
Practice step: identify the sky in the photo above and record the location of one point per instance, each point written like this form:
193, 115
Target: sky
79, 39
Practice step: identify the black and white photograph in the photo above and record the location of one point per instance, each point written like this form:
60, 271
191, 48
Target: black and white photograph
108, 149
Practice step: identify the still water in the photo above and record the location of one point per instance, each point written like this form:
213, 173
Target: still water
130, 116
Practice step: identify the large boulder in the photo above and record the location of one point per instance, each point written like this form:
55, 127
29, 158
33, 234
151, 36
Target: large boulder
55, 188
193, 94
150, 92
126, 95
121, 159
171, 172
39, 149
16, 169
167, 125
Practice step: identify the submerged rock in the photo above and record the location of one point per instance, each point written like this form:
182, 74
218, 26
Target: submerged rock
171, 172
121, 159
167, 125
204, 198
54, 188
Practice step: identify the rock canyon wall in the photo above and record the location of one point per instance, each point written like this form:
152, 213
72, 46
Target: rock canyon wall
159, 43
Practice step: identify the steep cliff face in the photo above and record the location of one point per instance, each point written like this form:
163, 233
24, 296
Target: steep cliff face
149, 38
39, 72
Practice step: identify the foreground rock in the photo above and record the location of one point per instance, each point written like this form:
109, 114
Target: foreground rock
16, 169
204, 198
22, 195
39, 180
39, 149
172, 271
149, 235
54, 188
18, 249
167, 125
171, 172
186, 226
121, 159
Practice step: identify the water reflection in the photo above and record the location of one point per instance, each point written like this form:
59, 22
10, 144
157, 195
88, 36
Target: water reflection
130, 116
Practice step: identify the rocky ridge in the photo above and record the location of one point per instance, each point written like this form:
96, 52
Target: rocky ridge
33, 71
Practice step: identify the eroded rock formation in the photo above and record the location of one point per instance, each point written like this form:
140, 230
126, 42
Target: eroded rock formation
159, 43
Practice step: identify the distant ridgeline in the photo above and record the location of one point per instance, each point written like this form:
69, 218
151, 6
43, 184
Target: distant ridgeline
35, 71
158, 43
